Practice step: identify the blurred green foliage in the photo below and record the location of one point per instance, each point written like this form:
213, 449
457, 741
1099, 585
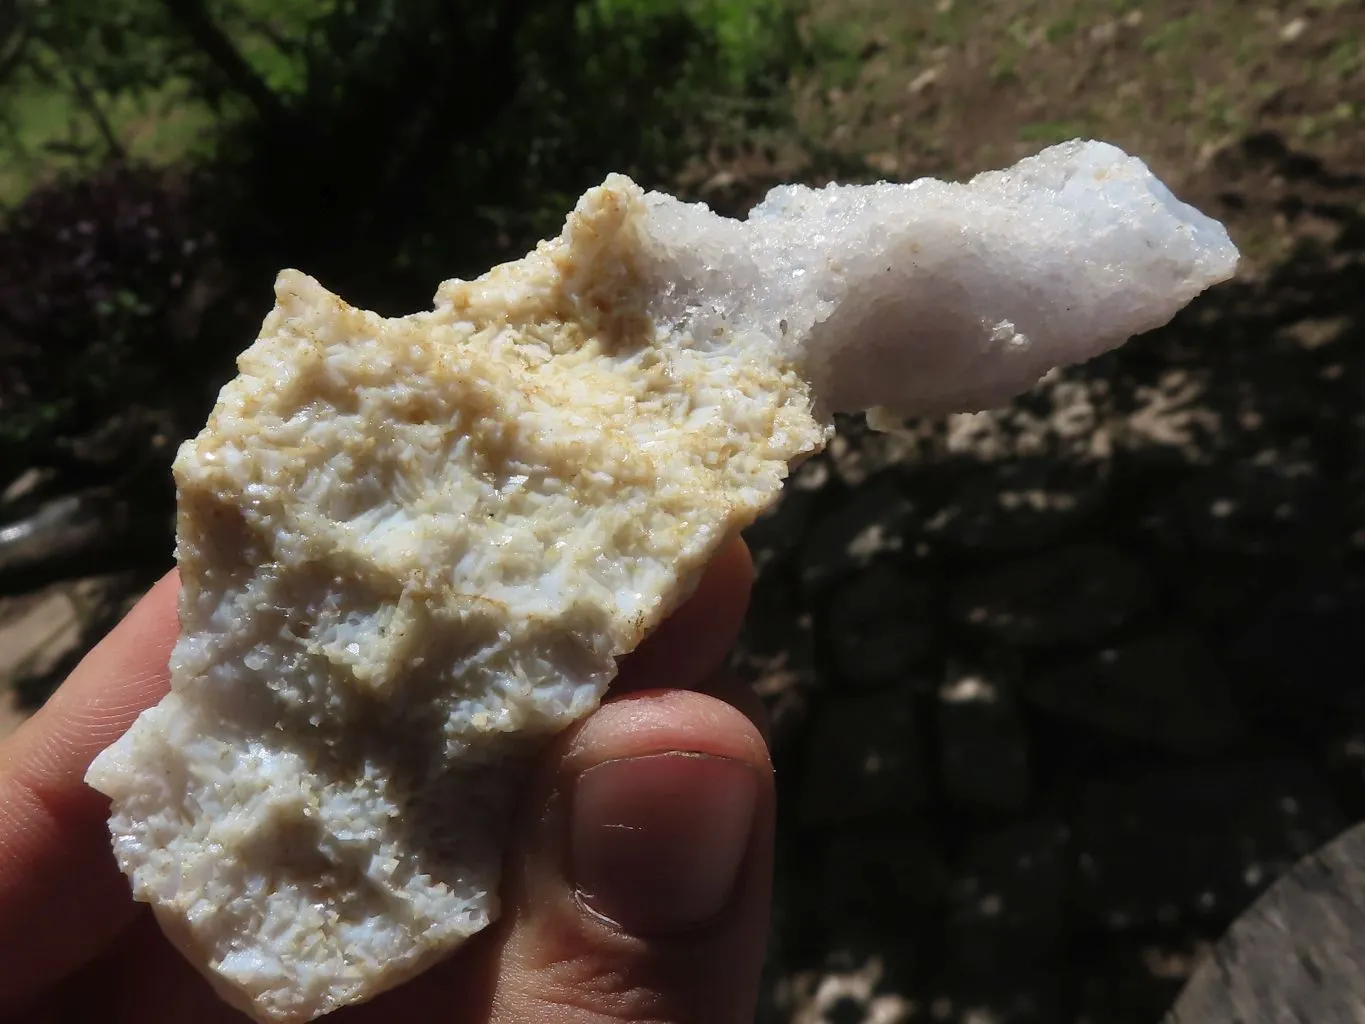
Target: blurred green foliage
381, 145
81, 80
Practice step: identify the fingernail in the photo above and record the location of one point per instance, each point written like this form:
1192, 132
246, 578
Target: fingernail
657, 842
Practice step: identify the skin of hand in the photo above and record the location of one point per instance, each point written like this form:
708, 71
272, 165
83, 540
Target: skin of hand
637, 886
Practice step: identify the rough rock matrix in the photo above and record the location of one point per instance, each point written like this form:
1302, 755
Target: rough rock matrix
412, 548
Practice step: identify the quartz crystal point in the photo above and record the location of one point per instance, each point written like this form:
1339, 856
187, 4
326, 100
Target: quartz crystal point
411, 549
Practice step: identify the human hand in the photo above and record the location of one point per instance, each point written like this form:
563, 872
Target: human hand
636, 889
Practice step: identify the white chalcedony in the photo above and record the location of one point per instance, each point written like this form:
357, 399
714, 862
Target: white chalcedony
411, 549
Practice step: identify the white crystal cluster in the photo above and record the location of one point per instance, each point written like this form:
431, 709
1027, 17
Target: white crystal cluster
412, 548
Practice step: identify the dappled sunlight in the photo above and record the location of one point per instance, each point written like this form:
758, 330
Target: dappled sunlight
1124, 698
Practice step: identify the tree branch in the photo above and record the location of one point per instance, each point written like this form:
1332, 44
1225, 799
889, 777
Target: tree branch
12, 51
206, 34
281, 42
90, 102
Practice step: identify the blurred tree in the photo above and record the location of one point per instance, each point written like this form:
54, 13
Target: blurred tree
406, 133
434, 141
96, 279
380, 145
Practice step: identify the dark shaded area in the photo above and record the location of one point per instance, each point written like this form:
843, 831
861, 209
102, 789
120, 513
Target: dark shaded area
1127, 690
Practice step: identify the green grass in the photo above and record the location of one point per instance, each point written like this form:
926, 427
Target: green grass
1061, 30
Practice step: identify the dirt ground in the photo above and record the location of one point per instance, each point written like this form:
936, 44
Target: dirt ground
949, 88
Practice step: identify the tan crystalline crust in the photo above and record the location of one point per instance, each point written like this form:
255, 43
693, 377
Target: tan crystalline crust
410, 549
401, 542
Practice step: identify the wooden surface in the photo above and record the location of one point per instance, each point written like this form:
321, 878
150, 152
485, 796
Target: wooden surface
1298, 955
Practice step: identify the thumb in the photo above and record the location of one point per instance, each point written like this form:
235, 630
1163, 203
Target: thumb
643, 882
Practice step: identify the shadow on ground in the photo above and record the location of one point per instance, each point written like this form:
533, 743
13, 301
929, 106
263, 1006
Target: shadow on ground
1060, 690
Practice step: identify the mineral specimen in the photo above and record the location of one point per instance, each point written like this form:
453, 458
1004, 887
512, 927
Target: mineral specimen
412, 548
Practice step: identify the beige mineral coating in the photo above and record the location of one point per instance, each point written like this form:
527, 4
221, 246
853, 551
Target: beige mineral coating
411, 549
